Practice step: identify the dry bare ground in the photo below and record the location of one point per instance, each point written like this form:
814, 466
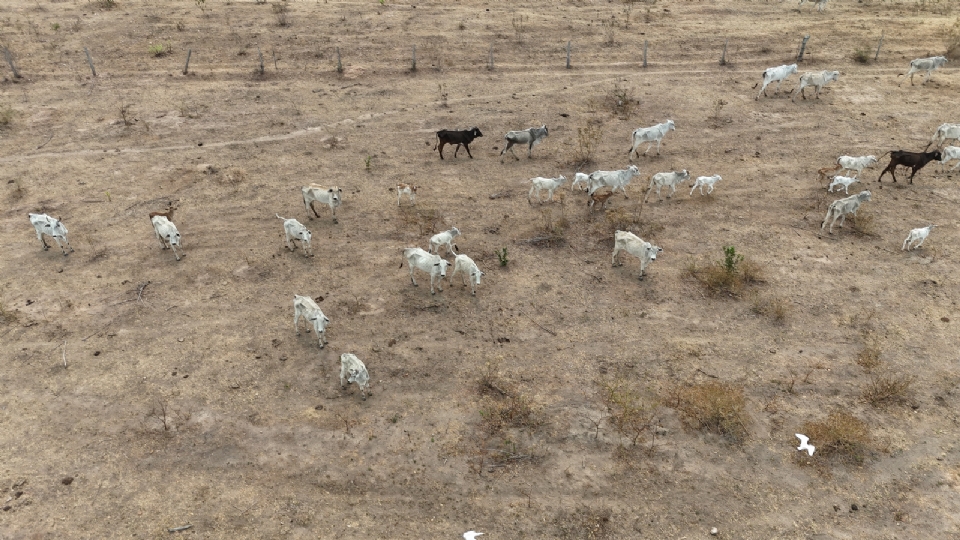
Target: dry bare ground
568, 399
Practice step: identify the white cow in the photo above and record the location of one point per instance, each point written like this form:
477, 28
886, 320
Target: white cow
304, 306
167, 233
580, 178
444, 239
948, 153
435, 265
634, 245
294, 230
409, 190
945, 133
842, 181
708, 181
614, 179
549, 184
923, 64
817, 79
778, 74
667, 179
530, 136
331, 196
915, 235
465, 264
821, 4
352, 370
54, 228
848, 163
841, 207
650, 135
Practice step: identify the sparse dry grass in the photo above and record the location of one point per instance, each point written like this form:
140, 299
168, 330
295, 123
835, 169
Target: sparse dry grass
630, 414
887, 389
505, 406
7, 113
840, 436
589, 138
774, 307
584, 523
716, 407
953, 41
869, 358
863, 223
728, 277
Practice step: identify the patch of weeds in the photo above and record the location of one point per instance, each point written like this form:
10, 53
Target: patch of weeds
622, 102
869, 358
717, 119
552, 231
887, 389
840, 436
631, 416
126, 114
588, 139
18, 191
106, 4
442, 92
716, 407
159, 50
953, 41
280, 10
729, 276
233, 176
427, 219
519, 23
7, 114
864, 223
502, 256
776, 308
7, 315
861, 56
584, 523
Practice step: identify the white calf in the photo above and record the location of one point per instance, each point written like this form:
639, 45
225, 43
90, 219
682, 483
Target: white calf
841, 207
948, 153
816, 79
444, 239
294, 231
945, 132
848, 163
331, 196
435, 265
409, 190
650, 135
778, 74
819, 3
667, 179
167, 233
708, 181
46, 225
465, 264
549, 184
634, 245
352, 370
842, 181
614, 179
923, 64
580, 178
915, 235
304, 306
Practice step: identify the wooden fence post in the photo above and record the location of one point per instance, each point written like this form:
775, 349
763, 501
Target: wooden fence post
339, 65
13, 67
490, 66
413, 67
260, 53
723, 57
186, 66
644, 53
803, 47
878, 47
90, 61
568, 55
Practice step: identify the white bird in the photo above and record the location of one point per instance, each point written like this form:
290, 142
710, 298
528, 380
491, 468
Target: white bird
471, 535
803, 444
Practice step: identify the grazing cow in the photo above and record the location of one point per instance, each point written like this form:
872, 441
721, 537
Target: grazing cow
330, 196
54, 228
530, 137
167, 233
294, 230
465, 264
549, 184
842, 181
444, 239
445, 136
650, 135
821, 4
435, 265
614, 179
945, 132
708, 181
816, 79
824, 173
858, 164
778, 74
579, 178
634, 245
914, 160
304, 306
841, 207
670, 179
352, 370
409, 190
915, 235
948, 153
923, 64
599, 197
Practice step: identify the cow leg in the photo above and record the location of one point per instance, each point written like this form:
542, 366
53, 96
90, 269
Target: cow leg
412, 280
616, 251
440, 147
296, 318
455, 150
314, 208
467, 148
530, 151
658, 146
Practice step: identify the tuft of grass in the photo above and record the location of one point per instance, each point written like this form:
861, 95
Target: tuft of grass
233, 176
630, 414
776, 308
584, 523
588, 139
869, 358
864, 223
887, 389
159, 50
7, 114
716, 407
728, 276
106, 4
840, 436
953, 41
7, 316
861, 56
622, 102
502, 256
280, 10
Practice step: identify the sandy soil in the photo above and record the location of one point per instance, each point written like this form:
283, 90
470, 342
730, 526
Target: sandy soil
178, 393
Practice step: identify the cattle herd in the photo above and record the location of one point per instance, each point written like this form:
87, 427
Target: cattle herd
431, 262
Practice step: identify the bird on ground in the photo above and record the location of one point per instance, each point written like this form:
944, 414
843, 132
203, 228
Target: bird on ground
804, 445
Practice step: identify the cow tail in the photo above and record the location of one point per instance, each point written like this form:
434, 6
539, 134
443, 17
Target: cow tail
438, 142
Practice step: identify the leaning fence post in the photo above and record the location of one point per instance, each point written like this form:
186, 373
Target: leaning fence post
186, 66
90, 61
413, 67
568, 55
260, 53
878, 47
803, 47
644, 53
723, 57
490, 66
13, 67
339, 65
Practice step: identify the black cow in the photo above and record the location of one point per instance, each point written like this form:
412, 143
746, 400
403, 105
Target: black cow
914, 160
446, 136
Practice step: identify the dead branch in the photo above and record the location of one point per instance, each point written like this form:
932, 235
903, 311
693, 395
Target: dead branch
551, 332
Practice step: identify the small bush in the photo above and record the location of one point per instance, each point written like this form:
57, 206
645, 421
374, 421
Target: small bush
869, 358
953, 41
863, 223
630, 415
728, 276
159, 50
584, 523
861, 56
713, 406
106, 4
840, 436
502, 256
280, 10
775, 308
234, 176
887, 389
588, 139
7, 113
622, 102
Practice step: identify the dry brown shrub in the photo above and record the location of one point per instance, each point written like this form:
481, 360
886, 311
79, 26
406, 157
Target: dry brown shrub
887, 389
953, 41
869, 358
712, 406
729, 276
233, 176
630, 414
584, 523
776, 308
428, 220
864, 223
840, 436
504, 405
